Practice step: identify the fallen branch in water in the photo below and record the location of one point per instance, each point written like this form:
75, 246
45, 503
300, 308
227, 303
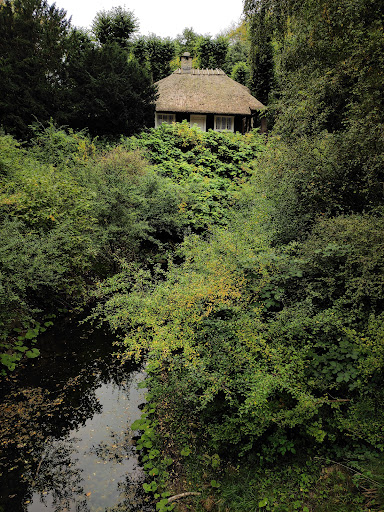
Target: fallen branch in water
183, 495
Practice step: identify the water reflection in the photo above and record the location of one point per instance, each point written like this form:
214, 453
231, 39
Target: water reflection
66, 444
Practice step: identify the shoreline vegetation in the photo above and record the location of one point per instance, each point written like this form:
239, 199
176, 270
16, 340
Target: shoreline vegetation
248, 270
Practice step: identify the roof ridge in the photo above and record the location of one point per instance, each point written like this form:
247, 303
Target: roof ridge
201, 71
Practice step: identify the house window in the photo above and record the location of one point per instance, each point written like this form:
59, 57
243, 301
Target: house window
223, 123
164, 118
199, 121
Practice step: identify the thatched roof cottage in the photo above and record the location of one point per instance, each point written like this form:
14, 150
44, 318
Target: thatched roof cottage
208, 98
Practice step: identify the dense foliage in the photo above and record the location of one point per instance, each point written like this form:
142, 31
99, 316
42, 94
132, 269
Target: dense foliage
115, 96
247, 270
74, 212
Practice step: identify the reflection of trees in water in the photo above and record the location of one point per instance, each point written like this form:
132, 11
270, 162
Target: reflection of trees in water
59, 480
119, 448
79, 403
28, 417
49, 399
132, 497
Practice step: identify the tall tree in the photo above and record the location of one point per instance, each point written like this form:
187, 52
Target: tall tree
155, 53
328, 103
116, 25
261, 22
186, 40
238, 51
33, 42
211, 53
107, 93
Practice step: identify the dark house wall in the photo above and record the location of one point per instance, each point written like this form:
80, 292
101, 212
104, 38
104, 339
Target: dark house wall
242, 123
181, 116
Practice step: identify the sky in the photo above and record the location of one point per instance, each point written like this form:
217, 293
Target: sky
165, 18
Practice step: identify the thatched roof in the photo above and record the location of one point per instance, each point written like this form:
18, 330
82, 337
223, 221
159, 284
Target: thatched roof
204, 91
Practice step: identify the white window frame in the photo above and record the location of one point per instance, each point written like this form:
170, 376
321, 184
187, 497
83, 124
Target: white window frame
196, 118
164, 118
229, 123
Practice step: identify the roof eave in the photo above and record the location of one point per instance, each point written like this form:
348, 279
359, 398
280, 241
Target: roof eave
250, 112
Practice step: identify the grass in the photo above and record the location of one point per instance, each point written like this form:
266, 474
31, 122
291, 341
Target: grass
298, 485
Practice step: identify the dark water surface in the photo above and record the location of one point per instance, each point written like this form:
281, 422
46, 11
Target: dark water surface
65, 440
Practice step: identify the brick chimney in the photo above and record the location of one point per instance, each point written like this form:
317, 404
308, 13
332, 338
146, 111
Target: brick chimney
186, 62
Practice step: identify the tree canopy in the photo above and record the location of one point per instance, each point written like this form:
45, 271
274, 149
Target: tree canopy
106, 92
33, 45
116, 25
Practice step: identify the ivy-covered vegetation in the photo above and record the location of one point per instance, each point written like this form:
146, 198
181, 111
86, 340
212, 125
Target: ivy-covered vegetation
247, 270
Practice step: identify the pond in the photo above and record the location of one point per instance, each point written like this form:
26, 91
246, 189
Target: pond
66, 445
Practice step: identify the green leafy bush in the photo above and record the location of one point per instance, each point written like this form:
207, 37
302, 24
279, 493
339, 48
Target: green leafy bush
46, 232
